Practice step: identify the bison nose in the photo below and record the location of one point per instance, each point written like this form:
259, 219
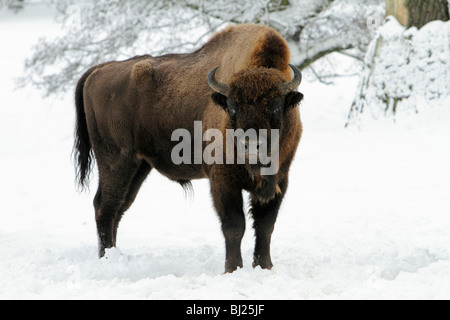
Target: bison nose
252, 146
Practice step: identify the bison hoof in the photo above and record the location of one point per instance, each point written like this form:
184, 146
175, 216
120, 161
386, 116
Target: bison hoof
263, 263
231, 267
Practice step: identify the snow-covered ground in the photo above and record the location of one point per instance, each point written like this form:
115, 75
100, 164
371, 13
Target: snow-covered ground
367, 214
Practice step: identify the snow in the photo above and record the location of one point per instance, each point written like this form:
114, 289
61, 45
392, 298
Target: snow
403, 67
366, 215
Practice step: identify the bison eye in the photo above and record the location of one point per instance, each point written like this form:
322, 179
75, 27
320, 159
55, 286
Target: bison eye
232, 112
276, 112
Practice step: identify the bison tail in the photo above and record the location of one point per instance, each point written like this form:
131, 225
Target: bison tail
82, 149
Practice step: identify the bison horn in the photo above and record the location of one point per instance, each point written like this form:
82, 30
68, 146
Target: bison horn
217, 86
294, 83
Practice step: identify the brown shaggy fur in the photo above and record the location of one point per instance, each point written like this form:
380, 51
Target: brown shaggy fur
127, 111
141, 75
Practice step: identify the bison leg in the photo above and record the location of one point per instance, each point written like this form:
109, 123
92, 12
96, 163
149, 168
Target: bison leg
133, 189
118, 186
264, 217
229, 206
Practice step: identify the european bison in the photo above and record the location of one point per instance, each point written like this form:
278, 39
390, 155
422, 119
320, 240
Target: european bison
128, 111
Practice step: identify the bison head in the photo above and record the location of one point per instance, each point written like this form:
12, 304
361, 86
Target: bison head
257, 98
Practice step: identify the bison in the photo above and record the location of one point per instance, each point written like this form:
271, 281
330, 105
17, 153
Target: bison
128, 110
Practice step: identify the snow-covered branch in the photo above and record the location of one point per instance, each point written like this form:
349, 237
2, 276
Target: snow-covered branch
95, 32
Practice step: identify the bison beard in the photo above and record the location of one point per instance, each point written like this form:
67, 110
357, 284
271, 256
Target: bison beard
128, 110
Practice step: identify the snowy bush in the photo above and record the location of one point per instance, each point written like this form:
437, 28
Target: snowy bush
402, 67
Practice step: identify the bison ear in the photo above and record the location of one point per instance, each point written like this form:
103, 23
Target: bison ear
292, 100
220, 99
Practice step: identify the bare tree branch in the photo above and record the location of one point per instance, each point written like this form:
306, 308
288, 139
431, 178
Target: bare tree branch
95, 32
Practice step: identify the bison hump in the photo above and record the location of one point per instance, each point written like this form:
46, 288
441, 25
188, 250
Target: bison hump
270, 51
141, 75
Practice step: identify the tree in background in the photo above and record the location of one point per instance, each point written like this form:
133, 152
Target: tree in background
15, 5
99, 31
404, 64
417, 13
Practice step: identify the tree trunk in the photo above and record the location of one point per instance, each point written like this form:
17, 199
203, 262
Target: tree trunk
397, 8
417, 13
421, 12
